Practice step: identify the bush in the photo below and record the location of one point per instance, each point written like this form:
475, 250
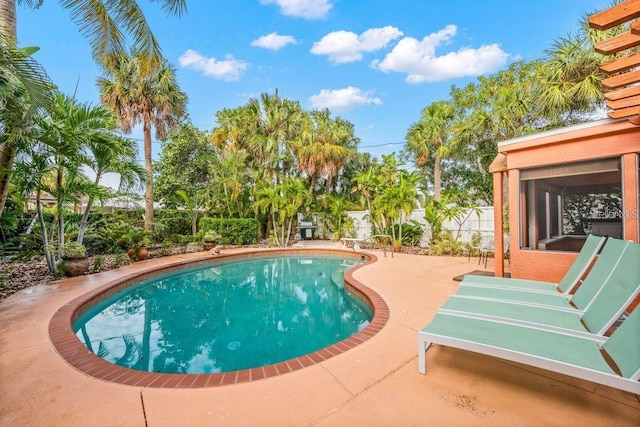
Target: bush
411, 232
211, 236
446, 244
73, 250
233, 231
170, 221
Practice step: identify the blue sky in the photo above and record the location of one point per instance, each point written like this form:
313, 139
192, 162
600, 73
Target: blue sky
377, 63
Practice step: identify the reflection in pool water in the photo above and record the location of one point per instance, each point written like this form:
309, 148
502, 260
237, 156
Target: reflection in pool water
226, 317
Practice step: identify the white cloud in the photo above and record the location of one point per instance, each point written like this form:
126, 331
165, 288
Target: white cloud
273, 41
344, 46
343, 99
307, 9
228, 69
419, 60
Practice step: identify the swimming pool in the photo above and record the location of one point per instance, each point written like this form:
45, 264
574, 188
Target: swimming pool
226, 317
75, 353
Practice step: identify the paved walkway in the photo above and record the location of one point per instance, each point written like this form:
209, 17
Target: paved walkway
374, 384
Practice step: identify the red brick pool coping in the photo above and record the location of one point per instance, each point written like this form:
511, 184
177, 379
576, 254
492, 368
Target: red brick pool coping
77, 355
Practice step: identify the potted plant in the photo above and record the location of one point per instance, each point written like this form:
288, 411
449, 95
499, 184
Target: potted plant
397, 245
210, 239
74, 257
136, 239
141, 247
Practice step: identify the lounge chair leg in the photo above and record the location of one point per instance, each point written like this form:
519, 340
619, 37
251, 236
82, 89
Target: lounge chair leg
422, 355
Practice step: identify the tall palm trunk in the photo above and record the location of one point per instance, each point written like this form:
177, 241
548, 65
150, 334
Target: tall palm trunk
43, 232
437, 176
84, 221
8, 17
85, 215
148, 197
312, 187
327, 188
7, 152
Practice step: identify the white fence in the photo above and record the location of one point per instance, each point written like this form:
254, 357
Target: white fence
468, 224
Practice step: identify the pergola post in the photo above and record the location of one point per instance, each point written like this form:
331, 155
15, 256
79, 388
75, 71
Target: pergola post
497, 168
630, 180
498, 225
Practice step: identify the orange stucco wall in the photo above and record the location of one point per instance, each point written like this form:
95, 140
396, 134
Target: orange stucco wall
549, 266
607, 140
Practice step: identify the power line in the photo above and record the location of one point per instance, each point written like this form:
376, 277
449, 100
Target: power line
381, 145
384, 144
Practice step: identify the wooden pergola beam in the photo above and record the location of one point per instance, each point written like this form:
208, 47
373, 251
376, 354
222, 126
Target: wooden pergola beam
616, 15
621, 80
622, 93
632, 101
621, 64
624, 112
635, 28
618, 43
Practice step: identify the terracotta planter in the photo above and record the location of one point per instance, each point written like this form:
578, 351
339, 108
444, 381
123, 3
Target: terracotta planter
131, 252
75, 266
142, 253
209, 245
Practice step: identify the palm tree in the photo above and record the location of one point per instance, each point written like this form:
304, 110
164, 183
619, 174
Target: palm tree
105, 23
193, 206
570, 77
229, 183
139, 91
282, 202
233, 130
269, 201
25, 92
337, 220
69, 130
51, 162
30, 174
399, 199
110, 153
431, 136
325, 146
274, 122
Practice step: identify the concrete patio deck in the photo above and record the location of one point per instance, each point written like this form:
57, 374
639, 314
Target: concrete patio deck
374, 384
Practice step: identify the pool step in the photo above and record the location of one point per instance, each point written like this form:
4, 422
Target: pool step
337, 277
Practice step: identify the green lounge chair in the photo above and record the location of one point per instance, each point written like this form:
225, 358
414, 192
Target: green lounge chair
613, 253
572, 277
577, 356
614, 295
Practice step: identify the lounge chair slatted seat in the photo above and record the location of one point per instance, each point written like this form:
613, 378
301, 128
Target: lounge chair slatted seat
544, 299
568, 354
525, 313
618, 290
611, 255
624, 346
577, 270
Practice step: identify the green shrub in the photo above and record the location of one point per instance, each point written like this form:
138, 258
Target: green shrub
73, 250
133, 217
98, 263
170, 221
445, 244
233, 231
178, 239
411, 232
211, 236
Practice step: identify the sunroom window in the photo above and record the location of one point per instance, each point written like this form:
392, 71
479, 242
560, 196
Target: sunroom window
562, 204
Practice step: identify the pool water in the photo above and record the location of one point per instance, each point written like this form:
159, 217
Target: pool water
225, 317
